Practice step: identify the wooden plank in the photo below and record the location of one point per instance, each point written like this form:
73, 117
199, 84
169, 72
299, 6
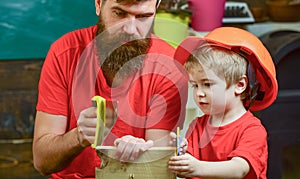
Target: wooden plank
151, 164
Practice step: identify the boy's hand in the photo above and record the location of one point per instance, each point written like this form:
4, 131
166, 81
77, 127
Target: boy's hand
183, 145
129, 147
184, 165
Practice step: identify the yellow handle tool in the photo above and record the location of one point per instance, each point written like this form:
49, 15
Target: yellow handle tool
100, 103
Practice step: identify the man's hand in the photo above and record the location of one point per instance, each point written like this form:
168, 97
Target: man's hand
129, 147
86, 126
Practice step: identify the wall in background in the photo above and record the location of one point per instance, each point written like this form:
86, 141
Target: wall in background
28, 27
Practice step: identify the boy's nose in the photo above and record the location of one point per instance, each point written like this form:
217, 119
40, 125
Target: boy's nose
200, 92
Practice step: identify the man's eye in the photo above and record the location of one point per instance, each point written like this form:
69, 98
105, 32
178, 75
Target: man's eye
120, 13
144, 16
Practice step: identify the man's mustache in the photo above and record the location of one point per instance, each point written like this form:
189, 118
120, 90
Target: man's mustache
119, 39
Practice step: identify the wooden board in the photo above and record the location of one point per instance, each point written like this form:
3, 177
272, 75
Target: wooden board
151, 164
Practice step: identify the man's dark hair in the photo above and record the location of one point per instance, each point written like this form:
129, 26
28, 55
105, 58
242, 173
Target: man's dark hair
132, 1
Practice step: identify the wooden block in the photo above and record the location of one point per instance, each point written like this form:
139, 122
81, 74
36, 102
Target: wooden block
151, 164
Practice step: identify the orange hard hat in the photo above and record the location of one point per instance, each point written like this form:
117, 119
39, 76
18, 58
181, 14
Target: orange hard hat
248, 46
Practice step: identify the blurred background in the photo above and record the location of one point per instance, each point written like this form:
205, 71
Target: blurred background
28, 27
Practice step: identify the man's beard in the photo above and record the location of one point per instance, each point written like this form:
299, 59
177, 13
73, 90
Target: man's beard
122, 54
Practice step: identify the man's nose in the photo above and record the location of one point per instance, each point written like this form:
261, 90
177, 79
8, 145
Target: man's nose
130, 26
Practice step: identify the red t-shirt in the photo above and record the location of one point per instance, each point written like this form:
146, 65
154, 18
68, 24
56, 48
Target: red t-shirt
245, 137
152, 98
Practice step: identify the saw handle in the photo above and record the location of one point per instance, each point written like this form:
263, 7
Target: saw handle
100, 103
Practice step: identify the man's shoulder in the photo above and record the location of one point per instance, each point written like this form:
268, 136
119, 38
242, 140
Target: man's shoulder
161, 55
79, 38
160, 46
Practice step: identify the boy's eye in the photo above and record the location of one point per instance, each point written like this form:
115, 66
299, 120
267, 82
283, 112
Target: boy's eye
194, 85
207, 84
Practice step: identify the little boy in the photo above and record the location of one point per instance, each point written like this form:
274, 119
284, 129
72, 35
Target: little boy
231, 73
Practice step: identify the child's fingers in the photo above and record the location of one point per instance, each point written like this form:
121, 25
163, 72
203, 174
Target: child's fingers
174, 158
179, 158
174, 164
183, 146
184, 142
173, 135
173, 138
178, 166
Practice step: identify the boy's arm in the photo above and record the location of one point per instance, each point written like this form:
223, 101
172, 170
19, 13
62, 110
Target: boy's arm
237, 167
188, 166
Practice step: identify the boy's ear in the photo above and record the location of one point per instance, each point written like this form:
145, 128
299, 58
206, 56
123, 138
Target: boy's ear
241, 85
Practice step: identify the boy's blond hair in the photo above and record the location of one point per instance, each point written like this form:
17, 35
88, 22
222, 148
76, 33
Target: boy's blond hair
226, 64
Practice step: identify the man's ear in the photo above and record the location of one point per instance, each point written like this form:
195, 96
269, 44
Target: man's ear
241, 85
98, 6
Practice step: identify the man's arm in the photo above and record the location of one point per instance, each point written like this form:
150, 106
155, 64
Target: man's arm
53, 147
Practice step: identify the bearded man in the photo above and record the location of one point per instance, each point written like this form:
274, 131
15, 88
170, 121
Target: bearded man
120, 60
